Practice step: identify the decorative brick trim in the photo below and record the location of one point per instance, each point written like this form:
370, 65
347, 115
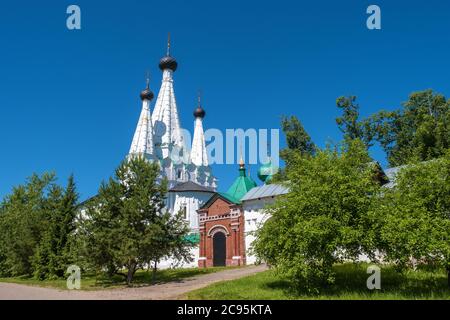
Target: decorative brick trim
216, 217
217, 228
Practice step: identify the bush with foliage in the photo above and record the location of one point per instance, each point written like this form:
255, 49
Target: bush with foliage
322, 220
413, 218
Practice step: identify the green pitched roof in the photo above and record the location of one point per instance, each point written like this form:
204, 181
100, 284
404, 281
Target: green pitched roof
222, 195
241, 185
229, 197
238, 189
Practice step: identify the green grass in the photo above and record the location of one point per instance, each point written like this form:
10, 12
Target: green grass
91, 282
350, 285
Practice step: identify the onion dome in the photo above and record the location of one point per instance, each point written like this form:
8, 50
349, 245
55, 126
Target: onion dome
199, 112
147, 94
265, 172
168, 62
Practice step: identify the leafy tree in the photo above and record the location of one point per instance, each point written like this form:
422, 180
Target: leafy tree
43, 258
23, 222
322, 220
297, 139
170, 240
421, 130
414, 217
3, 247
350, 124
53, 254
126, 226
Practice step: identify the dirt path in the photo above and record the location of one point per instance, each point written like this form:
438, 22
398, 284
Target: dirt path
165, 291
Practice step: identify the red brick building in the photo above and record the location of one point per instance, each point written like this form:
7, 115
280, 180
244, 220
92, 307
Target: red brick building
222, 241
221, 225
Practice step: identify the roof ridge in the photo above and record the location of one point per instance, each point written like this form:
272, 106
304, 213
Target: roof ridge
190, 186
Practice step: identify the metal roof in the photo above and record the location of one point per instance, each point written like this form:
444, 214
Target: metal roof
391, 173
190, 186
265, 191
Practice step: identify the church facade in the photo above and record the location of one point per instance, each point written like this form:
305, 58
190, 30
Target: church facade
222, 224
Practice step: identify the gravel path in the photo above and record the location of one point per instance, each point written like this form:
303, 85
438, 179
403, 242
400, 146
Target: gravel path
165, 291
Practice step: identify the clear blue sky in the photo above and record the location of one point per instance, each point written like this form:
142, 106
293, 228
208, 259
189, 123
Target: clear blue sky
69, 100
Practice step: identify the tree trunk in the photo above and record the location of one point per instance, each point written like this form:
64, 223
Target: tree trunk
130, 274
448, 276
155, 268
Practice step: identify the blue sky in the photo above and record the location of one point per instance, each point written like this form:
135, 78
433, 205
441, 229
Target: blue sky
69, 100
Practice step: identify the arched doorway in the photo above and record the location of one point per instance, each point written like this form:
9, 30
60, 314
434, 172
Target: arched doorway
219, 249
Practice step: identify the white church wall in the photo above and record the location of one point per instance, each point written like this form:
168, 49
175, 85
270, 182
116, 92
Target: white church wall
173, 263
192, 201
254, 218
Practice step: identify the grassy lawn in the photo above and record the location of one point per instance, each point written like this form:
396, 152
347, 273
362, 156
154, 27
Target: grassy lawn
142, 278
350, 284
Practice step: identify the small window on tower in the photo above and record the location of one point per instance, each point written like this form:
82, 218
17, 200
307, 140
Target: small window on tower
184, 212
179, 174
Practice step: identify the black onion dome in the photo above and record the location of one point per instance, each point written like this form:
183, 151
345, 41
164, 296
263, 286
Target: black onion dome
147, 94
199, 112
168, 62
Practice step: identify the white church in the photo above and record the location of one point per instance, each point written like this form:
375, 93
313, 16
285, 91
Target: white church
192, 185
222, 223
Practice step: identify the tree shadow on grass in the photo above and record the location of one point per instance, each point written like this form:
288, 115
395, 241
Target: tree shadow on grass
92, 281
351, 283
144, 278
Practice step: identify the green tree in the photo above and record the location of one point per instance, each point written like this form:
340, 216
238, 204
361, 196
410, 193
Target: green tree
350, 124
53, 254
3, 247
413, 218
420, 130
170, 240
322, 220
297, 139
23, 222
126, 226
